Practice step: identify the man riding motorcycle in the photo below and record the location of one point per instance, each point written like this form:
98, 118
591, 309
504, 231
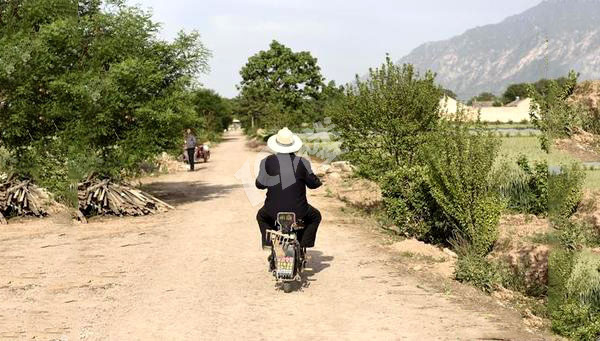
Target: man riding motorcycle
285, 176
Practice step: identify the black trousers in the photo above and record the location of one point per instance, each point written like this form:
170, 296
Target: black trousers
191, 161
306, 236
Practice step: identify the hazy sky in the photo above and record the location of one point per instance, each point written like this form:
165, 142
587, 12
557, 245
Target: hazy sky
347, 36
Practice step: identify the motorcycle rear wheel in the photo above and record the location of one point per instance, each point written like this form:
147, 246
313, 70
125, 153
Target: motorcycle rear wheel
287, 287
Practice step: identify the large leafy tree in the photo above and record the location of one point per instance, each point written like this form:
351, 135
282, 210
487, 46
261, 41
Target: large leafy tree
483, 97
85, 89
385, 119
513, 91
277, 84
216, 110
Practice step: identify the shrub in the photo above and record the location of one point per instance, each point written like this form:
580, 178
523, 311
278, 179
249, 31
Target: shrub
584, 282
590, 119
565, 190
408, 202
525, 187
472, 267
560, 264
459, 163
574, 235
573, 294
384, 120
576, 321
478, 271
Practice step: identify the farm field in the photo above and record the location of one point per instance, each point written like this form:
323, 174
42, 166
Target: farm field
513, 147
592, 180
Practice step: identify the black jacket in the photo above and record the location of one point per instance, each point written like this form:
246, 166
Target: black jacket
286, 176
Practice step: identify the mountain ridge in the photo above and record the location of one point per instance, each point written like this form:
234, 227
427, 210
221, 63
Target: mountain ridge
545, 41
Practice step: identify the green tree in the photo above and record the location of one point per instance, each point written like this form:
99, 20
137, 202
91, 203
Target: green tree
513, 91
277, 84
551, 112
522, 90
91, 90
384, 119
543, 86
483, 97
315, 109
215, 110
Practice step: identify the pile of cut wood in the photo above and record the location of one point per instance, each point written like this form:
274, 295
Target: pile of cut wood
21, 197
103, 197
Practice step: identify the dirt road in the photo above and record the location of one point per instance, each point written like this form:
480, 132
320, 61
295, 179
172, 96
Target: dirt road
197, 273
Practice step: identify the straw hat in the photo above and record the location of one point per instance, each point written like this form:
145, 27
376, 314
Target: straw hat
284, 142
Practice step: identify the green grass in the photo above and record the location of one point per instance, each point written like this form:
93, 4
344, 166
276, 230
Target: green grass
592, 179
512, 147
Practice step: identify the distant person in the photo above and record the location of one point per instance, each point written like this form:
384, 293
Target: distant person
190, 147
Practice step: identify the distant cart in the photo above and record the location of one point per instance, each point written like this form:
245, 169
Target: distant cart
202, 153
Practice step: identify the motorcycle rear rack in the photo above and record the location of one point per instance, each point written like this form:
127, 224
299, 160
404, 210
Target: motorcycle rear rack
281, 238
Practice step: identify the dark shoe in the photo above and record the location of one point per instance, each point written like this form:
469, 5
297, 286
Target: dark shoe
271, 263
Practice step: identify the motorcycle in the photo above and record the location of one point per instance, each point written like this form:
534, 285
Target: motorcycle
287, 259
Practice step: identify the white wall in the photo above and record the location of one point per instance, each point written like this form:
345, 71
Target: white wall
449, 106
